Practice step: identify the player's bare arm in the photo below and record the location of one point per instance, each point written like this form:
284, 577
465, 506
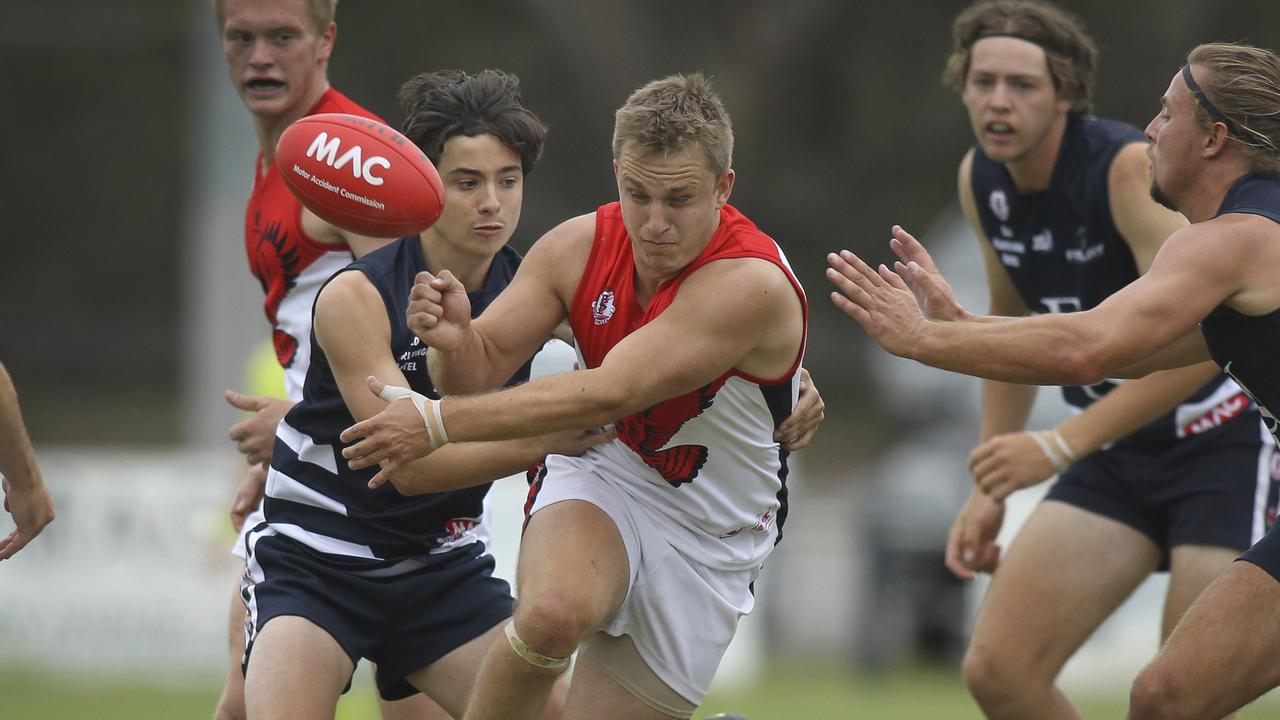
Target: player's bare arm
971, 541
740, 313
324, 232
352, 329
1010, 461
471, 356
1190, 276
25, 496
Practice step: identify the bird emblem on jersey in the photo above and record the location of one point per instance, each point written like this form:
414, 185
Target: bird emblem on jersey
648, 431
275, 264
603, 307
999, 204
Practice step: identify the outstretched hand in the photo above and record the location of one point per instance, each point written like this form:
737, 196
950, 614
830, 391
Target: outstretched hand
439, 311
32, 510
933, 293
392, 439
879, 300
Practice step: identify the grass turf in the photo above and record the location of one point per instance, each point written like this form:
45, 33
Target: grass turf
787, 693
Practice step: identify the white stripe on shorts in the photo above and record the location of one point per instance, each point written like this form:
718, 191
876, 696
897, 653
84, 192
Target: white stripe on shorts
324, 543
1263, 487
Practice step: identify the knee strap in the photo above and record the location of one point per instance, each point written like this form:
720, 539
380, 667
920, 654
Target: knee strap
531, 657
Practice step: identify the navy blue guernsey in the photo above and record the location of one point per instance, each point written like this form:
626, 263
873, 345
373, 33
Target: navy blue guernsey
314, 498
1063, 253
1248, 346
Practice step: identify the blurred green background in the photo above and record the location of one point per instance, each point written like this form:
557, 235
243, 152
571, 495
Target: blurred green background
126, 307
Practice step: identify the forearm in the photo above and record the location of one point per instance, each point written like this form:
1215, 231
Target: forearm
1005, 407
1041, 350
1131, 406
467, 464
17, 459
568, 401
475, 366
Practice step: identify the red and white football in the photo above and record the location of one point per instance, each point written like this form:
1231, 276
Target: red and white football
360, 175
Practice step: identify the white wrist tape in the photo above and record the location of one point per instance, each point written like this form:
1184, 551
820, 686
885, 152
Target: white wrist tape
429, 409
1067, 452
1055, 447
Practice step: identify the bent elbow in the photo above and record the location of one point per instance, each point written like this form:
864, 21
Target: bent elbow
1084, 366
606, 407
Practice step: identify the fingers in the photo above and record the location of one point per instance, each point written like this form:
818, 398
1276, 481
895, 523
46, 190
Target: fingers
378, 480
892, 278
376, 387
852, 266
10, 546
363, 454
987, 558
906, 246
426, 301
955, 554
249, 403
446, 282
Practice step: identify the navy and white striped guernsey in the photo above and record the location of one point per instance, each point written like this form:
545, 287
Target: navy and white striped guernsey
315, 499
1248, 346
1063, 253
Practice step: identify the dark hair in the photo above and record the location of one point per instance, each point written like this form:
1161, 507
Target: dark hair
1070, 53
441, 105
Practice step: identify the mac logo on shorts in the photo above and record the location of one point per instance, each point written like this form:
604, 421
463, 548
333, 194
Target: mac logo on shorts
999, 204
603, 307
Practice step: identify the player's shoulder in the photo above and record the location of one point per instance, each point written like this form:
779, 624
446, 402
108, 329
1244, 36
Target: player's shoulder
334, 101
731, 277
348, 297
1130, 164
1103, 136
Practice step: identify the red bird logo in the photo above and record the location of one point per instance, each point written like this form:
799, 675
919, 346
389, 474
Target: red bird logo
646, 433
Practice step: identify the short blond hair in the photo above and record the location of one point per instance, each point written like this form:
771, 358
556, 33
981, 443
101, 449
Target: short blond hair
322, 12
668, 115
1243, 83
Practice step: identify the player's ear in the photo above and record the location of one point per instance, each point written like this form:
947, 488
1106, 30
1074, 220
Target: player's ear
327, 38
1215, 139
724, 188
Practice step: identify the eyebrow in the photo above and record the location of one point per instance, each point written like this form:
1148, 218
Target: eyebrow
479, 173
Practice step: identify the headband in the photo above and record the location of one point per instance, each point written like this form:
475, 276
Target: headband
1045, 45
1209, 107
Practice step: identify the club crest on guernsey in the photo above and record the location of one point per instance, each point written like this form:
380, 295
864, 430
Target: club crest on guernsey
603, 307
999, 204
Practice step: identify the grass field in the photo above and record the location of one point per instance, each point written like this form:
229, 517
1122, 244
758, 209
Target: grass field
790, 693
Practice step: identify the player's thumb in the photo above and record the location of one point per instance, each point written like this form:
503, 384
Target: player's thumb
242, 401
376, 386
446, 282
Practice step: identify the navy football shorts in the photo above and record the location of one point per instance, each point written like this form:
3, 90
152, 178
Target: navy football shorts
1266, 554
1218, 489
402, 623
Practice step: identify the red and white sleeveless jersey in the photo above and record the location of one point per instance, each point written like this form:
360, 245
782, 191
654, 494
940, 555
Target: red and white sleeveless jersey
706, 461
291, 266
